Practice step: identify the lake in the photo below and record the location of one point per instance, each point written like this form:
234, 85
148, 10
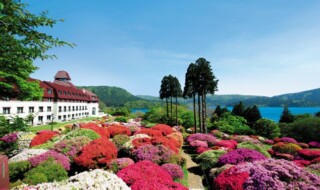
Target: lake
272, 113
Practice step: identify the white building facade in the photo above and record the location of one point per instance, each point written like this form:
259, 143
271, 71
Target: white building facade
61, 101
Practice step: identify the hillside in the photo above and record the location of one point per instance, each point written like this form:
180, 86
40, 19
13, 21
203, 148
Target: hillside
112, 96
300, 99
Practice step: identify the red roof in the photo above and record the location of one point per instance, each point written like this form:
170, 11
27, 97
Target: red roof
62, 75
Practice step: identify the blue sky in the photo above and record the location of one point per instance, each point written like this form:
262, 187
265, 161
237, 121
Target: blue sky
255, 47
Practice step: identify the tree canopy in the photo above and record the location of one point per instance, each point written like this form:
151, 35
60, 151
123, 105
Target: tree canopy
21, 42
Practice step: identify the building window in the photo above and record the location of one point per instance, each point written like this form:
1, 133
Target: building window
6, 110
69, 116
72, 108
69, 108
49, 108
59, 117
49, 90
64, 92
40, 109
31, 109
60, 92
76, 108
20, 110
60, 109
40, 119
48, 117
65, 108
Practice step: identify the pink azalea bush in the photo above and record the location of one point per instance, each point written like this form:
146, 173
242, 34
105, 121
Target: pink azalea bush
240, 155
174, 170
198, 143
120, 163
288, 140
157, 154
314, 144
210, 139
60, 158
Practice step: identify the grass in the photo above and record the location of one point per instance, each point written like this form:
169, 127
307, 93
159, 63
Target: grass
48, 127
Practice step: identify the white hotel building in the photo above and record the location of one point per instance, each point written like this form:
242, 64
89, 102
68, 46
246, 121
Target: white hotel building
61, 101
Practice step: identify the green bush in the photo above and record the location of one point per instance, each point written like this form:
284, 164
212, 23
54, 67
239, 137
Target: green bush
303, 130
17, 169
47, 171
252, 146
209, 159
83, 132
266, 128
47, 146
121, 119
232, 124
120, 139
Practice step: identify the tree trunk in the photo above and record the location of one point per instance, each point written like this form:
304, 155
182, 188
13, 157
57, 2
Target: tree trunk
204, 113
199, 112
194, 113
167, 110
176, 110
171, 111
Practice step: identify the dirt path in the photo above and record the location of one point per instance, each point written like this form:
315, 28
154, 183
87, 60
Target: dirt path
194, 178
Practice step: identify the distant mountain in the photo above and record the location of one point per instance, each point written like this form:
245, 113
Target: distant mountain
112, 96
300, 99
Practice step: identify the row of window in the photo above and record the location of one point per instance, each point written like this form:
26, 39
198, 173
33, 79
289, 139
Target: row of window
7, 110
49, 90
74, 108
72, 116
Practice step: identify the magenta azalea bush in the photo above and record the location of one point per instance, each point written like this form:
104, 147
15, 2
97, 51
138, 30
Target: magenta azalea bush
158, 154
273, 174
210, 139
314, 144
199, 143
60, 158
288, 140
240, 155
174, 170
9, 138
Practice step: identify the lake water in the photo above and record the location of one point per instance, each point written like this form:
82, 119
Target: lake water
272, 113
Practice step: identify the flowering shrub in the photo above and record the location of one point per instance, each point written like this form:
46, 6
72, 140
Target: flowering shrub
9, 145
95, 179
170, 143
270, 142
60, 158
214, 172
157, 154
211, 140
216, 133
230, 144
302, 163
118, 129
103, 132
148, 175
141, 142
286, 148
245, 138
24, 140
209, 159
309, 153
71, 147
120, 140
119, 163
42, 137
9, 138
163, 128
198, 143
150, 132
256, 147
314, 168
228, 181
314, 144
240, 155
270, 174
288, 140
26, 154
83, 132
201, 150
97, 153
174, 170
283, 156
176, 136
303, 145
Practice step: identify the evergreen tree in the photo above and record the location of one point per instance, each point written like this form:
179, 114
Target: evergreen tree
286, 116
238, 109
177, 92
22, 42
165, 91
252, 114
218, 111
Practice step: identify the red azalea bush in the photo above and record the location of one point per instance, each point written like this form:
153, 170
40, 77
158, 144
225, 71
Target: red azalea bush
118, 129
150, 132
165, 129
309, 153
170, 143
230, 144
240, 155
103, 132
228, 181
42, 138
97, 153
140, 142
177, 136
201, 150
302, 163
148, 175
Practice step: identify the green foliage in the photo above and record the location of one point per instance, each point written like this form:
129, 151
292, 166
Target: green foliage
120, 111
286, 116
238, 109
22, 42
120, 139
252, 146
209, 159
318, 114
143, 104
187, 119
47, 171
266, 128
17, 124
48, 145
252, 114
232, 124
303, 130
17, 170
83, 132
156, 115
121, 119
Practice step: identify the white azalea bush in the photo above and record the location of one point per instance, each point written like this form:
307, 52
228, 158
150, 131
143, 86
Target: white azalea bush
89, 180
26, 154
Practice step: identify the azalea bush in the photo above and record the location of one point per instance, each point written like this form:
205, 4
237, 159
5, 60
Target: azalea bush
163, 128
17, 170
103, 132
82, 133
119, 163
176, 136
26, 154
174, 170
118, 129
150, 132
165, 141
120, 140
198, 143
209, 159
9, 144
240, 155
58, 157
286, 148
158, 154
309, 153
211, 140
230, 144
228, 181
97, 153
314, 144
252, 146
42, 137
288, 140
